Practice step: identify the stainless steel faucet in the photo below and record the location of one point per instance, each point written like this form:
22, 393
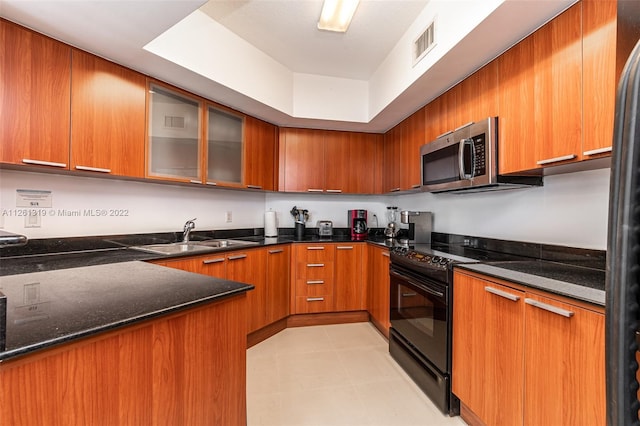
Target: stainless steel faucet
188, 227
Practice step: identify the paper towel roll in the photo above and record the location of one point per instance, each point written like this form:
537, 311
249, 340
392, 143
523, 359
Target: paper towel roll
270, 224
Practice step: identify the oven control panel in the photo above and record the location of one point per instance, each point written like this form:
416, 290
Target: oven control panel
425, 260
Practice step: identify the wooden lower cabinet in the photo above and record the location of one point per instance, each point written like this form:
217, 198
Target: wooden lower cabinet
188, 368
278, 260
523, 358
488, 328
378, 287
564, 364
327, 277
247, 266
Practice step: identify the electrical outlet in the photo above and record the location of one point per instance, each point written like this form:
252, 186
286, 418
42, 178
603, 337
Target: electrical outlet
33, 221
228, 217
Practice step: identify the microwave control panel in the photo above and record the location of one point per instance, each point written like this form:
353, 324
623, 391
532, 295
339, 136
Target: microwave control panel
480, 157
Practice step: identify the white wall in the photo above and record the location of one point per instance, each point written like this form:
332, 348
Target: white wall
569, 209
151, 207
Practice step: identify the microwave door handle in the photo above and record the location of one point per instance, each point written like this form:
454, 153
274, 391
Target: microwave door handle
463, 143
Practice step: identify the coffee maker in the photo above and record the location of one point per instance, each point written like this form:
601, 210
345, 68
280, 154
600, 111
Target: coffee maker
357, 221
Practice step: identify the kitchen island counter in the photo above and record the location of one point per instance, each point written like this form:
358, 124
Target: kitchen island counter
45, 309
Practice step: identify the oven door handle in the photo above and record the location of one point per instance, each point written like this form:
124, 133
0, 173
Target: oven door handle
416, 284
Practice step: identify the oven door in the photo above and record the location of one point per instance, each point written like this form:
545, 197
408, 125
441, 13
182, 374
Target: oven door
419, 314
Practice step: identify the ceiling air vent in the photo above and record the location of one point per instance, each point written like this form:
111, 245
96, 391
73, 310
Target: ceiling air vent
173, 122
424, 43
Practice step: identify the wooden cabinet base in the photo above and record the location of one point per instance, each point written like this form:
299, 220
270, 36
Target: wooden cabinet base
187, 368
305, 320
469, 416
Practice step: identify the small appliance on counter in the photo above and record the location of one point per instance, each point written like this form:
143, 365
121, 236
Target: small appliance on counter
420, 226
357, 221
270, 224
391, 231
300, 216
325, 228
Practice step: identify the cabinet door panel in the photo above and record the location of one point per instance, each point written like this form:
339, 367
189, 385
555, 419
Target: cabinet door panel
488, 332
224, 147
413, 137
301, 160
278, 259
35, 95
599, 25
558, 87
479, 95
108, 116
349, 157
564, 359
349, 291
392, 144
516, 139
250, 267
260, 154
378, 287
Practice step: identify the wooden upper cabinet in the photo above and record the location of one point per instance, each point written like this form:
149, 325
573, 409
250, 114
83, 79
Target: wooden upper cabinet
261, 154
35, 94
478, 95
107, 117
328, 161
516, 131
600, 75
174, 134
349, 159
301, 160
224, 147
413, 137
392, 144
557, 51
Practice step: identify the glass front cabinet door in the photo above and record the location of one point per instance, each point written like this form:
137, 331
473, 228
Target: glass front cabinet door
174, 135
225, 147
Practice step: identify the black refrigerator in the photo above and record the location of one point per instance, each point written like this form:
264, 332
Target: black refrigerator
622, 312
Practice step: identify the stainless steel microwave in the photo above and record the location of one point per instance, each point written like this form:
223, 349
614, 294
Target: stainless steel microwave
466, 159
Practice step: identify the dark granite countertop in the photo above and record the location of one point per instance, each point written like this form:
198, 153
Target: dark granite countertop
44, 309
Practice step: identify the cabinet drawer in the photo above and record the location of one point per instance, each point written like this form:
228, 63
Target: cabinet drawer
314, 270
314, 304
314, 287
314, 253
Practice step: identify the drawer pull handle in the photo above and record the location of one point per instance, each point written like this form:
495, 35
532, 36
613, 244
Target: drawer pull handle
335, 191
275, 251
556, 159
254, 187
315, 282
93, 169
315, 265
315, 248
194, 181
394, 189
238, 257
501, 293
344, 247
550, 308
314, 190
315, 299
385, 254
209, 261
212, 183
597, 151
416, 186
43, 163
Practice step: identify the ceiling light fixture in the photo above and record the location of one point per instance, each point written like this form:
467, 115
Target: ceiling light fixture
337, 14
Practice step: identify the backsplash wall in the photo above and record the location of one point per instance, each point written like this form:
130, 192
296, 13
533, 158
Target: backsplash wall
570, 209
148, 207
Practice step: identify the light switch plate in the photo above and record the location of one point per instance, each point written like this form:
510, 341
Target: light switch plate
33, 221
228, 217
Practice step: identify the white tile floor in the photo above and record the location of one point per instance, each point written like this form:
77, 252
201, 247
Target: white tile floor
333, 375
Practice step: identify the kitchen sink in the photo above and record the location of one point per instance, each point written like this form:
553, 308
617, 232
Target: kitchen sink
192, 246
